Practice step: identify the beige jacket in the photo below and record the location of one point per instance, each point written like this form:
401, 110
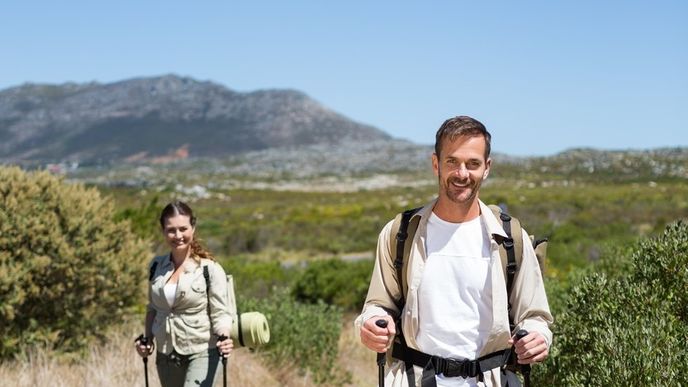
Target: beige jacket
529, 301
187, 326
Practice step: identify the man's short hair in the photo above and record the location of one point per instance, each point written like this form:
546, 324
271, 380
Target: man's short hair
456, 127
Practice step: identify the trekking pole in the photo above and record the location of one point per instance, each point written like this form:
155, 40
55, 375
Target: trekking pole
224, 362
144, 341
525, 368
381, 357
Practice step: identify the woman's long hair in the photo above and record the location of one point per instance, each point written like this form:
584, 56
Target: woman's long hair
178, 207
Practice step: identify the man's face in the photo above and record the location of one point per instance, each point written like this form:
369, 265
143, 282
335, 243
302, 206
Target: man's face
461, 168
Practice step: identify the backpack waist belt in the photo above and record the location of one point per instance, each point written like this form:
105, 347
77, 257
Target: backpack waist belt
447, 366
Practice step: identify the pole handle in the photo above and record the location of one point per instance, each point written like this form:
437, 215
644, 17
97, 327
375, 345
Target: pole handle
224, 358
521, 334
381, 356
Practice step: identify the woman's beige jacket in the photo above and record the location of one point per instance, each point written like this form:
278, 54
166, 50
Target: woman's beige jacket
529, 301
189, 326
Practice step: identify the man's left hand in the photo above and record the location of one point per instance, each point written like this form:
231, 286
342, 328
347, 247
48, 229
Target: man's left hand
532, 348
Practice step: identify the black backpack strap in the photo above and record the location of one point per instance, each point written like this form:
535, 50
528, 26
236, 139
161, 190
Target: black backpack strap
512, 247
434, 365
154, 266
206, 275
401, 252
508, 244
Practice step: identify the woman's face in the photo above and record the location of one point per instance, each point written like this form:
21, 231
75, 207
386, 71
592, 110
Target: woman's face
178, 232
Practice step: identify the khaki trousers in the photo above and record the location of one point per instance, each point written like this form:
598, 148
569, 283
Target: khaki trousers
194, 370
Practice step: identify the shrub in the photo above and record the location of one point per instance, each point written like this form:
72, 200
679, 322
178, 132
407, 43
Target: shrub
257, 279
629, 328
335, 282
305, 335
67, 270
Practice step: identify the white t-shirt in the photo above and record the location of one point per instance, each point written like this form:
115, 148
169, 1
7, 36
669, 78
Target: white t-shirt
170, 292
455, 293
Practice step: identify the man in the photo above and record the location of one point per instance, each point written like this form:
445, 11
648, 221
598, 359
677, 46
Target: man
456, 300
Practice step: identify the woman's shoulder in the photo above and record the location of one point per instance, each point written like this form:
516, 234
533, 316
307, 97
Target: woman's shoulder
157, 259
213, 266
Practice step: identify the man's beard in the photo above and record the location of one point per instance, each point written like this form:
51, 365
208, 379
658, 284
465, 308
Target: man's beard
464, 196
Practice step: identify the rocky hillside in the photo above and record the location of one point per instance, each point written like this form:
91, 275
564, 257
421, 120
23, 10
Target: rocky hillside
161, 118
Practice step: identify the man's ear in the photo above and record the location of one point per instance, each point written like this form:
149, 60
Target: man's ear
435, 164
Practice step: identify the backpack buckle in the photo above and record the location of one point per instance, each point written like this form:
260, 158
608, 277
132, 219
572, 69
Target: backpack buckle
455, 367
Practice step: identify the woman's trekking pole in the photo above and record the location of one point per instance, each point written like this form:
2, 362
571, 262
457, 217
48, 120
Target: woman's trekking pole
525, 368
144, 341
381, 358
224, 363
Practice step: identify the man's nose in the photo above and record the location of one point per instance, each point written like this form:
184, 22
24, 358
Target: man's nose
461, 171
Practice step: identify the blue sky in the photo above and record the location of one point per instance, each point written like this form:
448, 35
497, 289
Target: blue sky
544, 76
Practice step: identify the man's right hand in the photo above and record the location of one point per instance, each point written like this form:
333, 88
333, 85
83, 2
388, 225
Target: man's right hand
376, 338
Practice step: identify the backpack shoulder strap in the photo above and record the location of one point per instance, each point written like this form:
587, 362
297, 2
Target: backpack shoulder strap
206, 275
153, 267
404, 229
510, 250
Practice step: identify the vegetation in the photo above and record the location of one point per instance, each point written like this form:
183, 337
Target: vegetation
67, 270
630, 326
303, 335
335, 282
290, 254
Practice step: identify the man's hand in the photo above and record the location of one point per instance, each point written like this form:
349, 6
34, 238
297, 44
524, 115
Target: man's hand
376, 338
532, 348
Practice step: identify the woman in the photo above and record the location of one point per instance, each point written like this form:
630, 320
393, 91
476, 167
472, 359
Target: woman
187, 314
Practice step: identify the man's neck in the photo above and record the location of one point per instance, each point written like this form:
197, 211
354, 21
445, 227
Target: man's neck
456, 212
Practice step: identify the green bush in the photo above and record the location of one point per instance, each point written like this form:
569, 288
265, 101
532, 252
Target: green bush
67, 270
304, 335
257, 279
335, 282
627, 328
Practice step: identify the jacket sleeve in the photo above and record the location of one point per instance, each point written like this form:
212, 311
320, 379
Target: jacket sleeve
384, 288
528, 297
220, 315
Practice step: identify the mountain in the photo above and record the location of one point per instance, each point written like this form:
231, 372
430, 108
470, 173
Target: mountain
162, 118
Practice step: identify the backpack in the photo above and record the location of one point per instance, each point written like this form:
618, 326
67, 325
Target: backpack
510, 249
404, 227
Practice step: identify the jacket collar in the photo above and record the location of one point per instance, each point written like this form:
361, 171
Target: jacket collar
168, 265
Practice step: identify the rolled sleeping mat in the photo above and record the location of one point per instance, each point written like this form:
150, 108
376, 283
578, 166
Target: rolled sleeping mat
250, 330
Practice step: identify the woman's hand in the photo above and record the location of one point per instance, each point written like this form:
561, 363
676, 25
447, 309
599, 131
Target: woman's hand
144, 346
224, 346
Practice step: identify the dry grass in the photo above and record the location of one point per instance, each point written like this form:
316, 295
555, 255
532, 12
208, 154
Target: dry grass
116, 364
